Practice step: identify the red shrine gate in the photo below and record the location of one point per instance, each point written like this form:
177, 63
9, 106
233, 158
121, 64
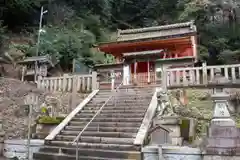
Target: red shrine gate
141, 53
144, 74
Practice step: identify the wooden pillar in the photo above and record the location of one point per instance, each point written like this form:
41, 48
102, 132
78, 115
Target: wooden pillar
135, 70
148, 70
194, 46
164, 77
112, 80
126, 74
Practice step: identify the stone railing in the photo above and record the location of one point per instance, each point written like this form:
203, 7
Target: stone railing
200, 76
66, 83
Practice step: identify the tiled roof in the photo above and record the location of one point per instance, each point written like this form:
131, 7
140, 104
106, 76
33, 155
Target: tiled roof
109, 64
157, 28
46, 59
36, 58
142, 53
157, 31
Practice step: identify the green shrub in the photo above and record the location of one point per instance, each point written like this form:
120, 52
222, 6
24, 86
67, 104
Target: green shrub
49, 120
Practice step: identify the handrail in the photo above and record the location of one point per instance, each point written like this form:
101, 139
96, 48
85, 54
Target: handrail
96, 114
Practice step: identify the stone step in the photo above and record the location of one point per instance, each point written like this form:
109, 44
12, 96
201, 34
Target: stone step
146, 87
98, 119
94, 152
122, 97
113, 107
106, 124
100, 134
56, 156
126, 97
117, 147
114, 115
103, 129
102, 140
127, 107
120, 111
121, 102
124, 93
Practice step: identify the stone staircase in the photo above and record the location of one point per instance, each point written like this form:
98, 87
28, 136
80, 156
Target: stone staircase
112, 133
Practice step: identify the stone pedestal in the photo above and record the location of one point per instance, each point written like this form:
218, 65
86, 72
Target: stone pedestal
173, 124
42, 130
192, 129
222, 132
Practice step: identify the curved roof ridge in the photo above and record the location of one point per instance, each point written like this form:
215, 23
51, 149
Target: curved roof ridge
156, 28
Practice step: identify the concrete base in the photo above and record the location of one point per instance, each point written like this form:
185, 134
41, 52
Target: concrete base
171, 153
212, 157
1, 149
2, 134
177, 141
180, 153
224, 122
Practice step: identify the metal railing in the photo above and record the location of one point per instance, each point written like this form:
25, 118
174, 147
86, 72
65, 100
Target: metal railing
76, 140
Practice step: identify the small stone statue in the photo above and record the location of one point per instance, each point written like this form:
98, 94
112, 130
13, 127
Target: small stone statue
165, 106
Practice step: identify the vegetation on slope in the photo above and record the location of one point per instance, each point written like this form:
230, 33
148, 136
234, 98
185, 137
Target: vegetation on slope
72, 27
200, 106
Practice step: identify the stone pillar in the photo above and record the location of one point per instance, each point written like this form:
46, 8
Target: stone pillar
112, 80
222, 138
2, 138
126, 74
164, 77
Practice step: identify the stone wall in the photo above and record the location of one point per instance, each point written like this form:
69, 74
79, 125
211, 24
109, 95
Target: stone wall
180, 153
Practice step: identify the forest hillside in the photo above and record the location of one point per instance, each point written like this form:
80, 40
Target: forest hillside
72, 27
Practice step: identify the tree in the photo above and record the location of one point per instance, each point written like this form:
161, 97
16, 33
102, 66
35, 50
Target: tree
66, 44
75, 25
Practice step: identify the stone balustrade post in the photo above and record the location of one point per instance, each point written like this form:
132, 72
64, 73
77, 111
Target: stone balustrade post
112, 80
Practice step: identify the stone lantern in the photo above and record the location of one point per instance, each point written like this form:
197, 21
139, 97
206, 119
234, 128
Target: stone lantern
222, 131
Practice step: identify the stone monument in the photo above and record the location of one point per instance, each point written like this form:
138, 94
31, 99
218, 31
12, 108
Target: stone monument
222, 130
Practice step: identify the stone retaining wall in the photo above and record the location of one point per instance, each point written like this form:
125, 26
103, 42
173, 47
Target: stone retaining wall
180, 153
